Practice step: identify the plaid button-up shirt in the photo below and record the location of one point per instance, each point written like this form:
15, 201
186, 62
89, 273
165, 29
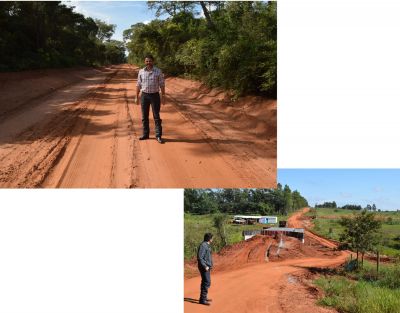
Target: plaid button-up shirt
150, 81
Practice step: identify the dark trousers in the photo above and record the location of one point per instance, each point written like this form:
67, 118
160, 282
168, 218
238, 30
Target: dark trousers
205, 284
152, 99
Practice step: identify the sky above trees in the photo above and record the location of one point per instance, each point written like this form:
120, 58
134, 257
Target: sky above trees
346, 186
121, 13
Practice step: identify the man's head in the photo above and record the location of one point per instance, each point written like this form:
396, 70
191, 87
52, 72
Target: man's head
208, 237
149, 60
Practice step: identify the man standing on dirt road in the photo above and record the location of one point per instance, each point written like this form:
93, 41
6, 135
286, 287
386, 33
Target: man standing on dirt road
150, 81
205, 264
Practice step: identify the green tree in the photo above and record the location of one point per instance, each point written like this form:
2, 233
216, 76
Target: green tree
219, 224
287, 194
233, 46
172, 8
42, 34
361, 233
105, 31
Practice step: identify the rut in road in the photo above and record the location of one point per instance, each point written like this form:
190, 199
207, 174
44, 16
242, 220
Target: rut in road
41, 146
101, 155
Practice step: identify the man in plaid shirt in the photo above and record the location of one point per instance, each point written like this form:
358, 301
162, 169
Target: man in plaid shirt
150, 81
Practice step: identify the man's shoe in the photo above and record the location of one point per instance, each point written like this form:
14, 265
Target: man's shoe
143, 137
204, 303
209, 300
159, 140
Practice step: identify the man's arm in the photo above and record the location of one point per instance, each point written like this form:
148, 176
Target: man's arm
163, 94
138, 87
162, 87
137, 94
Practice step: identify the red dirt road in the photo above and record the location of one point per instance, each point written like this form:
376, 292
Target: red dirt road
83, 132
265, 287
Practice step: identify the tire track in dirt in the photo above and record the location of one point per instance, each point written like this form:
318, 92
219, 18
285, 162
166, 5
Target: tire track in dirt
243, 157
83, 139
91, 106
209, 140
103, 150
28, 165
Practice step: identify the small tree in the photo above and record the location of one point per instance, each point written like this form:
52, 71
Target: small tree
361, 233
219, 224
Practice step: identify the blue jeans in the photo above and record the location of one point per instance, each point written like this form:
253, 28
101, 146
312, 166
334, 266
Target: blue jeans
205, 284
152, 99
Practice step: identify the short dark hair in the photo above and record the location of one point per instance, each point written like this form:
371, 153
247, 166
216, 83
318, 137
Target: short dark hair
207, 236
149, 56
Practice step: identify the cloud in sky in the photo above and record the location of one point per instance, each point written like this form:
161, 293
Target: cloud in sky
80, 7
123, 14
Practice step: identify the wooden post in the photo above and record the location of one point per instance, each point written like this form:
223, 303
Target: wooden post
377, 261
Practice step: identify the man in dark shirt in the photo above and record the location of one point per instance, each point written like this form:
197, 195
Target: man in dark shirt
205, 264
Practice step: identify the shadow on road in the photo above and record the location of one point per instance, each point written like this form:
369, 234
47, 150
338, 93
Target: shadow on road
191, 300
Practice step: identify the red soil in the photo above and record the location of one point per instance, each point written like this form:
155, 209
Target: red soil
243, 280
80, 128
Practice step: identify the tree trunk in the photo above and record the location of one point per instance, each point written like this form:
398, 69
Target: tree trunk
362, 259
207, 15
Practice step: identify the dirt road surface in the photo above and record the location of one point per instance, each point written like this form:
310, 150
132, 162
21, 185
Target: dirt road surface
266, 287
83, 132
296, 221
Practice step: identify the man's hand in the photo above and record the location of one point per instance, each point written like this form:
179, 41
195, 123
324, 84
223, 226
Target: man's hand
207, 268
137, 100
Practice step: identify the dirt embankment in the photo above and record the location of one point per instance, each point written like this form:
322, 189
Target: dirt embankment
261, 249
253, 115
80, 128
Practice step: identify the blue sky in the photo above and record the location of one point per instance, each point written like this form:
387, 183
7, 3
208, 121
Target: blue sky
121, 13
346, 186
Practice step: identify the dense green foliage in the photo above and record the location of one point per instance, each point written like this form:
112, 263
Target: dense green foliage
363, 290
354, 207
256, 201
41, 34
327, 205
234, 46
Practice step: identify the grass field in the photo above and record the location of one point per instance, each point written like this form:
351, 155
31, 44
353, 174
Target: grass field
326, 223
363, 290
197, 225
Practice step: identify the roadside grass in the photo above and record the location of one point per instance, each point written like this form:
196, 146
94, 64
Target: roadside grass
195, 226
363, 290
326, 223
358, 297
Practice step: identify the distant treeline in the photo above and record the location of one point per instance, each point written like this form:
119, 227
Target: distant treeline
233, 46
243, 201
356, 207
43, 34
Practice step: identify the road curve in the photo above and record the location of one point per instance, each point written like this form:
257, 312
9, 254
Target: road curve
258, 288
